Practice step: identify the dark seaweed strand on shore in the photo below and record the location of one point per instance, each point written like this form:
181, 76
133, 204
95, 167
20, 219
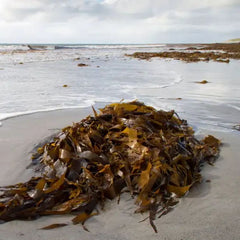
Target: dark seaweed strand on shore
151, 154
214, 52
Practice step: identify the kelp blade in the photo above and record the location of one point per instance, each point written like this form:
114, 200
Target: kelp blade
153, 153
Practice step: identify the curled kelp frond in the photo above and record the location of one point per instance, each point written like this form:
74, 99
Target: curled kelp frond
153, 154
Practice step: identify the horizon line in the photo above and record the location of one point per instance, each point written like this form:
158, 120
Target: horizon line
51, 43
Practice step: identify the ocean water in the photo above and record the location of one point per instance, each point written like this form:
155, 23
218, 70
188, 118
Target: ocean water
32, 81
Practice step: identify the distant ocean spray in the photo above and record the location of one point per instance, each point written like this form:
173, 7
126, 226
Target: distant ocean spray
24, 47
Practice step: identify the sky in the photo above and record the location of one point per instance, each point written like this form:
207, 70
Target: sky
118, 21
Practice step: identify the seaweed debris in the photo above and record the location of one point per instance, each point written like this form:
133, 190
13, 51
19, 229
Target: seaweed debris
82, 65
226, 47
237, 127
203, 82
126, 146
215, 52
188, 56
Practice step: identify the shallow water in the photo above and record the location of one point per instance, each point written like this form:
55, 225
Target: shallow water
37, 83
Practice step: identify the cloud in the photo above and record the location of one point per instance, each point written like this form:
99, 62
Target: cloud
115, 21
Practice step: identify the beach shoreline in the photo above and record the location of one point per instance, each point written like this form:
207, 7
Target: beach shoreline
209, 211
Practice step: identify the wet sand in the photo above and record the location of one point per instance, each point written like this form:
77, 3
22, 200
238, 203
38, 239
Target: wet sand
210, 211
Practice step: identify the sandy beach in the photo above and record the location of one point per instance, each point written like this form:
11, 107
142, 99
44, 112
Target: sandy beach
119, 120
209, 211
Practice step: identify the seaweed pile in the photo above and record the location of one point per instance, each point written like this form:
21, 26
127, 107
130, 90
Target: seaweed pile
215, 52
195, 56
126, 147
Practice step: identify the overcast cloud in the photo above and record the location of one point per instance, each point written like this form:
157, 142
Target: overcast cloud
118, 21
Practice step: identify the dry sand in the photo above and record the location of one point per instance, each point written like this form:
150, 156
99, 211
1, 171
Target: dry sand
210, 211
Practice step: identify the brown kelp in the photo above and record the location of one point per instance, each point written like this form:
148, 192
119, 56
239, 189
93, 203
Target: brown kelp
205, 52
127, 146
